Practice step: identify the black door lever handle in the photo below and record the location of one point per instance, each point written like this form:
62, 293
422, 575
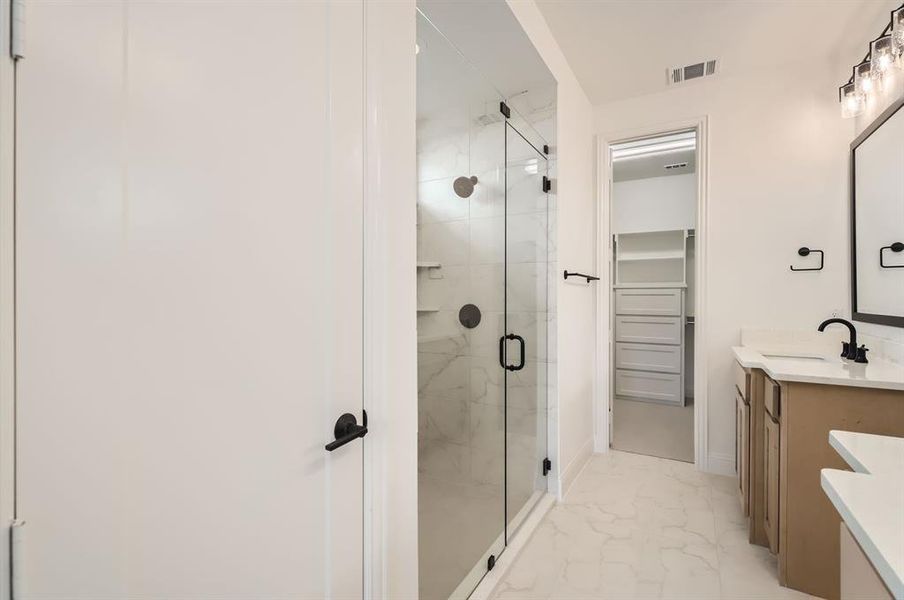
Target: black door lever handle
346, 430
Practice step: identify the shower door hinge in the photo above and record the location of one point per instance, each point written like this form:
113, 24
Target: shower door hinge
547, 183
547, 466
545, 149
16, 541
491, 562
505, 110
17, 29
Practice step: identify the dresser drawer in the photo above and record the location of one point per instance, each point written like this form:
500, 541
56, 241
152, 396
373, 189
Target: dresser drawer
648, 330
648, 357
650, 302
661, 387
742, 380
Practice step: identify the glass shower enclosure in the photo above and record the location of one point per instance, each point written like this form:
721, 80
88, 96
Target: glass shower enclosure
483, 274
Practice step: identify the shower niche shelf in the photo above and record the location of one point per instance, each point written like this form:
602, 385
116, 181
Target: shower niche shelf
426, 264
427, 309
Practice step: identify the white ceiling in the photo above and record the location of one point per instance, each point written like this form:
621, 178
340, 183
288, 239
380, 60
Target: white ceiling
621, 48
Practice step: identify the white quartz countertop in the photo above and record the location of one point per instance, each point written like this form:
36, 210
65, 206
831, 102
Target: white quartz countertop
871, 501
870, 454
796, 364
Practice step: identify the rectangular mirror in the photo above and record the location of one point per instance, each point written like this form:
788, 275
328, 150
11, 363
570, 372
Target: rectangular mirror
877, 220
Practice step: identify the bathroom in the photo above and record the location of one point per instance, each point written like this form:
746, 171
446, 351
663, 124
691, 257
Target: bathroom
437, 299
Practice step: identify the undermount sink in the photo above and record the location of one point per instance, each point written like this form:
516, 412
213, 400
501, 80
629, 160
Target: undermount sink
803, 357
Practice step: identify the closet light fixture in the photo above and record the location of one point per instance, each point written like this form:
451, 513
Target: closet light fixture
654, 147
886, 53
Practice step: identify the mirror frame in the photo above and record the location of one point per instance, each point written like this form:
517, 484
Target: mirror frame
890, 320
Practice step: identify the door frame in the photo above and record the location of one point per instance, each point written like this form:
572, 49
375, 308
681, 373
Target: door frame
605, 343
389, 351
7, 298
390, 301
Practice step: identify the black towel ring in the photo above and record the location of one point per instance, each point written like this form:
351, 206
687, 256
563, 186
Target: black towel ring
804, 251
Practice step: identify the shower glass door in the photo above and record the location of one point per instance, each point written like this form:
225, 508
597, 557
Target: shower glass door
460, 318
482, 276
526, 318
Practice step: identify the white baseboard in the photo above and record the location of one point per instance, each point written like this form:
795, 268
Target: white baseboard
721, 464
570, 472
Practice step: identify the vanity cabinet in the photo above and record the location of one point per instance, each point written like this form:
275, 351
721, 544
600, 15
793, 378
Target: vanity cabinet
742, 452
859, 579
750, 456
800, 417
771, 463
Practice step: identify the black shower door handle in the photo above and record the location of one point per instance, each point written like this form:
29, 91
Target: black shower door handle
502, 340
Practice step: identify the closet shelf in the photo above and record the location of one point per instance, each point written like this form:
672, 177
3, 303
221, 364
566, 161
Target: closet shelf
428, 265
662, 284
663, 256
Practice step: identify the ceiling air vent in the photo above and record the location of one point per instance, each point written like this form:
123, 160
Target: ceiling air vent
694, 71
676, 165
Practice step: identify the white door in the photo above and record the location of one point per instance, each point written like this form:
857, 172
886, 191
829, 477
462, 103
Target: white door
189, 293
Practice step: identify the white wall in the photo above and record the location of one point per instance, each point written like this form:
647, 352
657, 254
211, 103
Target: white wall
576, 235
777, 181
654, 203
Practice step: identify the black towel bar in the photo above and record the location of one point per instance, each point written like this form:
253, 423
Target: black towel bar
589, 278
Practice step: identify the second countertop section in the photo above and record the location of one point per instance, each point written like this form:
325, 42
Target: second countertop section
815, 367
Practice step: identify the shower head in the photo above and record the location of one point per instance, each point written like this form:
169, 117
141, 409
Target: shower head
464, 186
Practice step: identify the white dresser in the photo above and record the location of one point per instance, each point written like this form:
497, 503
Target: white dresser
649, 344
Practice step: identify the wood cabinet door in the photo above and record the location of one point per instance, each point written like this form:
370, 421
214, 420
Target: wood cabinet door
771, 480
742, 426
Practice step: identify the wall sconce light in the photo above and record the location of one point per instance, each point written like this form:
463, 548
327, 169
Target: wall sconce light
886, 53
863, 78
851, 100
897, 31
882, 57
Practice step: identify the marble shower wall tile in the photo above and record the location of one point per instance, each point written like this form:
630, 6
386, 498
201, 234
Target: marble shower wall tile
447, 461
437, 202
447, 243
445, 288
442, 333
526, 389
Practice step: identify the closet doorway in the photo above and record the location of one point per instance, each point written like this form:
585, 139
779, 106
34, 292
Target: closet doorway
653, 209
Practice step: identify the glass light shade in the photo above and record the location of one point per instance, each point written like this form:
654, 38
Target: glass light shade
863, 78
897, 31
852, 101
882, 56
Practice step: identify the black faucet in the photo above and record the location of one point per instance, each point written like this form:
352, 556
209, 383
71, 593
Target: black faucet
849, 350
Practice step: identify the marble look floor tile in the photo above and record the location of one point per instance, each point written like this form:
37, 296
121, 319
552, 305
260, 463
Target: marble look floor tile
635, 526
